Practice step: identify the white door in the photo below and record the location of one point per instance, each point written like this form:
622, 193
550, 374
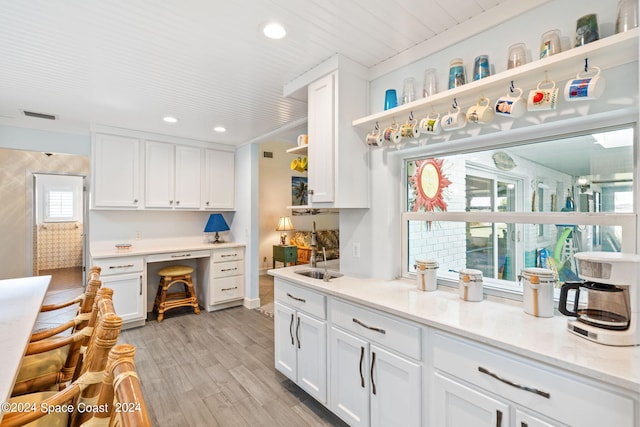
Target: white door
396, 390
116, 170
285, 342
219, 180
349, 378
188, 177
311, 342
128, 298
159, 175
457, 405
321, 127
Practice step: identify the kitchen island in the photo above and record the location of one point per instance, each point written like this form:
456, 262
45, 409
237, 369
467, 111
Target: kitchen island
455, 333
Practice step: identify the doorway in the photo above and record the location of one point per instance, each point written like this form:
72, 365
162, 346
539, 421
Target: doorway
58, 227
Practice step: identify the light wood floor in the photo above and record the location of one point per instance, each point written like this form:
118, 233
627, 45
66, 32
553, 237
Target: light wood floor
217, 369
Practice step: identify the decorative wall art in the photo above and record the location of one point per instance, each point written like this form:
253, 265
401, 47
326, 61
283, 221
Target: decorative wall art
299, 191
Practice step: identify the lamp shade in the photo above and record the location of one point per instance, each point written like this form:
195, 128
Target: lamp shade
216, 223
284, 224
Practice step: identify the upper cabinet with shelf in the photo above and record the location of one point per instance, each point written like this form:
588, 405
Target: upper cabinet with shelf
338, 169
609, 52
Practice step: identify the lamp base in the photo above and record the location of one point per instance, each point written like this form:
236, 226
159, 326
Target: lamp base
216, 239
283, 239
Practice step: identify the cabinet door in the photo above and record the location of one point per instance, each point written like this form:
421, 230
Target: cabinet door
159, 175
457, 405
285, 343
349, 378
128, 295
219, 180
116, 171
396, 390
311, 342
321, 127
188, 177
524, 419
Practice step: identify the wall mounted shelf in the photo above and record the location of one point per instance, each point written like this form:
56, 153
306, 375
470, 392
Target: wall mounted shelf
298, 150
609, 52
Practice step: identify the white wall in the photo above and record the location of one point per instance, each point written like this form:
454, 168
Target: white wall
378, 230
44, 141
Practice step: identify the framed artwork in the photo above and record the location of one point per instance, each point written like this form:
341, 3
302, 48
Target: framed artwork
299, 191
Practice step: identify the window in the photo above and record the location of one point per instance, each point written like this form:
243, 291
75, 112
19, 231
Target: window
528, 205
60, 206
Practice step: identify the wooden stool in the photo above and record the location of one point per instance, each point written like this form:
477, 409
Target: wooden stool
165, 300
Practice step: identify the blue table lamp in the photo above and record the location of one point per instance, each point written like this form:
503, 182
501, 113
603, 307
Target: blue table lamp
215, 224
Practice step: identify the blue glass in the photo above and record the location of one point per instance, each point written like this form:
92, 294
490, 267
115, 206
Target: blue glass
481, 67
390, 99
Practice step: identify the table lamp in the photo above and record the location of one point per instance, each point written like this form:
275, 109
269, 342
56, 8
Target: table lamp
215, 224
284, 225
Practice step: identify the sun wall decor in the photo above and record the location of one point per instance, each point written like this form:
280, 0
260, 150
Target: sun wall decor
429, 182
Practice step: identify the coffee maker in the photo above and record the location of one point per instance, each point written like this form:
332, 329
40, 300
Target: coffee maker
607, 301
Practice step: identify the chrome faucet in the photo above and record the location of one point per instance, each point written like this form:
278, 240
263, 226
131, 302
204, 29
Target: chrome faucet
314, 246
325, 276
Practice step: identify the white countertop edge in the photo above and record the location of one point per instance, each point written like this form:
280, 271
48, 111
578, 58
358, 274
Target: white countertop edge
107, 249
551, 343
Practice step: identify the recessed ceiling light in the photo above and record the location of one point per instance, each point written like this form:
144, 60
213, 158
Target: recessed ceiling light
220, 129
170, 119
273, 30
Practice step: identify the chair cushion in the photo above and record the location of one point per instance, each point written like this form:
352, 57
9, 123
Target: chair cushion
52, 419
176, 270
37, 365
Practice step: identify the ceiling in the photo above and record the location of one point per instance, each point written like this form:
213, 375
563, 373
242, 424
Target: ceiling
129, 63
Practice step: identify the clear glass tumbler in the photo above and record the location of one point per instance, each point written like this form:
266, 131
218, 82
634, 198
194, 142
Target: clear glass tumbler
430, 82
408, 90
517, 56
550, 44
627, 15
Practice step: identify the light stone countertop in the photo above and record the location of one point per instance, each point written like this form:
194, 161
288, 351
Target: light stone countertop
496, 322
107, 249
21, 301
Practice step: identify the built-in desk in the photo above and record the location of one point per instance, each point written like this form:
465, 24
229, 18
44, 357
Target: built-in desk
21, 300
133, 274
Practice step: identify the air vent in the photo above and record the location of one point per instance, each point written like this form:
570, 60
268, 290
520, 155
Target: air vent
40, 115
268, 154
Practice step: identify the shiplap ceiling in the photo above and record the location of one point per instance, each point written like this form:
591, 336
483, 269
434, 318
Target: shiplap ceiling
129, 63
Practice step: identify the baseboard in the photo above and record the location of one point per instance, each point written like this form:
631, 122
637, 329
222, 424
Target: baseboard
251, 303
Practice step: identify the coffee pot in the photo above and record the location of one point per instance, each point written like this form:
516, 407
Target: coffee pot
605, 303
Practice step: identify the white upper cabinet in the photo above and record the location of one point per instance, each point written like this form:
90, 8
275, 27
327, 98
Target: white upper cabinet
219, 179
338, 161
172, 176
116, 172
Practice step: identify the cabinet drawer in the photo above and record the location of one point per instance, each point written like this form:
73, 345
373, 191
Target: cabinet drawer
559, 395
230, 254
227, 288
300, 298
226, 269
394, 334
119, 265
177, 256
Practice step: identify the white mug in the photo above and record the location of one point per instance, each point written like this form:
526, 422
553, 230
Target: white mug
455, 119
430, 125
537, 291
541, 99
511, 105
392, 135
482, 112
374, 138
303, 140
585, 87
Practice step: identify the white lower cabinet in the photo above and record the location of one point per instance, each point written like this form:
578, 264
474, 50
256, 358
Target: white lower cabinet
301, 338
225, 286
471, 381
372, 385
125, 275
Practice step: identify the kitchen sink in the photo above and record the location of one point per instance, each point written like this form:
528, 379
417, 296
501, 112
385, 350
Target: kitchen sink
319, 273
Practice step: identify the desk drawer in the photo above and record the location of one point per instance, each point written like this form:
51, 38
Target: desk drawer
300, 298
226, 269
227, 288
177, 256
378, 328
559, 395
230, 254
120, 265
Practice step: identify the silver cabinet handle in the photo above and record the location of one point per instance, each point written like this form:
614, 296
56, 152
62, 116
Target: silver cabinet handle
135, 200
170, 202
140, 285
229, 269
228, 255
298, 332
229, 289
180, 256
498, 418
207, 203
512, 384
523, 424
296, 298
311, 192
372, 328
121, 266
177, 202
